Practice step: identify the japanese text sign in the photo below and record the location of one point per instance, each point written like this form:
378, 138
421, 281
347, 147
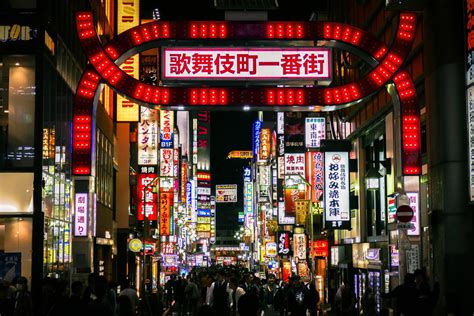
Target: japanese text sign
166, 200
295, 164
315, 174
305, 63
336, 192
264, 153
299, 246
166, 162
315, 131
167, 126
148, 137
226, 193
414, 204
284, 244
80, 216
320, 248
146, 197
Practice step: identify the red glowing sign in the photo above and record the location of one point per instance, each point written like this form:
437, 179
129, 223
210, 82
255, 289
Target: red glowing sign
147, 197
102, 66
320, 248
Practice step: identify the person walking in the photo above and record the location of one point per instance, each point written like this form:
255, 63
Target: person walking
267, 296
237, 293
191, 293
131, 294
75, 304
406, 296
100, 306
296, 297
220, 298
23, 302
368, 303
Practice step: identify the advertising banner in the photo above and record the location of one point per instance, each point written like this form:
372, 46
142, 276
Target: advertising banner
166, 162
257, 126
197, 63
315, 131
265, 135
284, 244
10, 265
292, 194
283, 217
226, 193
148, 137
315, 174
271, 249
336, 191
414, 198
150, 198
299, 246
203, 140
302, 209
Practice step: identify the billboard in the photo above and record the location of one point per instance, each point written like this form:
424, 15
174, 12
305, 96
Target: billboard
148, 137
336, 190
246, 63
294, 132
226, 193
295, 164
315, 131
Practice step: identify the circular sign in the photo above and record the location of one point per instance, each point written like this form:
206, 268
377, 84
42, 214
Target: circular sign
135, 245
404, 213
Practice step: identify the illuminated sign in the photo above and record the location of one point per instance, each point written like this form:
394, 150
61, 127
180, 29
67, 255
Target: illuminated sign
392, 209
166, 202
226, 193
320, 248
166, 162
16, 32
336, 191
311, 63
128, 16
315, 174
203, 220
257, 125
203, 176
240, 154
302, 207
204, 212
166, 126
203, 191
149, 200
284, 244
203, 140
295, 164
148, 137
203, 227
264, 152
291, 196
271, 249
470, 92
315, 131
81, 215
247, 174
294, 132
281, 123
415, 206
248, 198
170, 260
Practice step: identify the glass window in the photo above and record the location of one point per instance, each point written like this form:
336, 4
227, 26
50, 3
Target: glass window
17, 111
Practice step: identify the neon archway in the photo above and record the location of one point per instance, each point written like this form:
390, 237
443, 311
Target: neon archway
104, 61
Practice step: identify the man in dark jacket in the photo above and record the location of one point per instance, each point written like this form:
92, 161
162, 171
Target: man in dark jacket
406, 296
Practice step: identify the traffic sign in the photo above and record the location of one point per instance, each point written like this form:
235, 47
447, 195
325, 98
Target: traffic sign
404, 213
405, 226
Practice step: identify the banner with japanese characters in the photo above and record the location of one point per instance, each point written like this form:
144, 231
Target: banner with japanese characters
166, 128
264, 152
81, 215
148, 137
336, 192
249, 63
315, 174
166, 202
147, 198
315, 131
299, 246
283, 243
295, 164
166, 162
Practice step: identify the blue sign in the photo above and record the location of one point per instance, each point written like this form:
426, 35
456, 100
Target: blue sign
247, 174
204, 212
189, 196
10, 265
257, 126
166, 143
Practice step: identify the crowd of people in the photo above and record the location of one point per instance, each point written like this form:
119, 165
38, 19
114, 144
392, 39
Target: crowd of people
228, 291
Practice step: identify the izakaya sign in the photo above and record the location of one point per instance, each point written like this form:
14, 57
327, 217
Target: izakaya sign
312, 63
336, 191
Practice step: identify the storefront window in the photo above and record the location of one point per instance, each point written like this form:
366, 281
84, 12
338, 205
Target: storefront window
104, 169
17, 111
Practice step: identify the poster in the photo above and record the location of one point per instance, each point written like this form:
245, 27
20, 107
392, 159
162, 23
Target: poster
10, 265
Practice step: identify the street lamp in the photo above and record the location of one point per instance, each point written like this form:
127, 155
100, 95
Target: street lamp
372, 179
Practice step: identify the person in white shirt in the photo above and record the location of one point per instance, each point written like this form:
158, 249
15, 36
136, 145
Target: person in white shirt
130, 293
237, 292
220, 297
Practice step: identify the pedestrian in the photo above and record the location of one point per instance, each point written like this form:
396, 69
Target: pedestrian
6, 302
191, 293
89, 295
406, 295
169, 290
312, 298
267, 296
237, 293
75, 302
220, 295
23, 302
296, 297
249, 305
368, 303
131, 294
249, 285
100, 306
61, 299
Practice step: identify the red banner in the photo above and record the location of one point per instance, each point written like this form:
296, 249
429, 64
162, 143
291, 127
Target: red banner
166, 200
146, 194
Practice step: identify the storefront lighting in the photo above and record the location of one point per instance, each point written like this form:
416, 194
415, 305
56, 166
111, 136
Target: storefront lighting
372, 179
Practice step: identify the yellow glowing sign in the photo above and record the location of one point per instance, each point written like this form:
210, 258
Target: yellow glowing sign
203, 227
128, 17
240, 154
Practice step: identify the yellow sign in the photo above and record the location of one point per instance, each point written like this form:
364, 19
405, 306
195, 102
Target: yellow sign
135, 245
264, 152
240, 154
302, 207
203, 220
203, 227
128, 17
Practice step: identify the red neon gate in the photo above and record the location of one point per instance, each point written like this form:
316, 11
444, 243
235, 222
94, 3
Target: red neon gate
103, 68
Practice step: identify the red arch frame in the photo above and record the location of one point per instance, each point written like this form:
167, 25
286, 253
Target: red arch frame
102, 67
